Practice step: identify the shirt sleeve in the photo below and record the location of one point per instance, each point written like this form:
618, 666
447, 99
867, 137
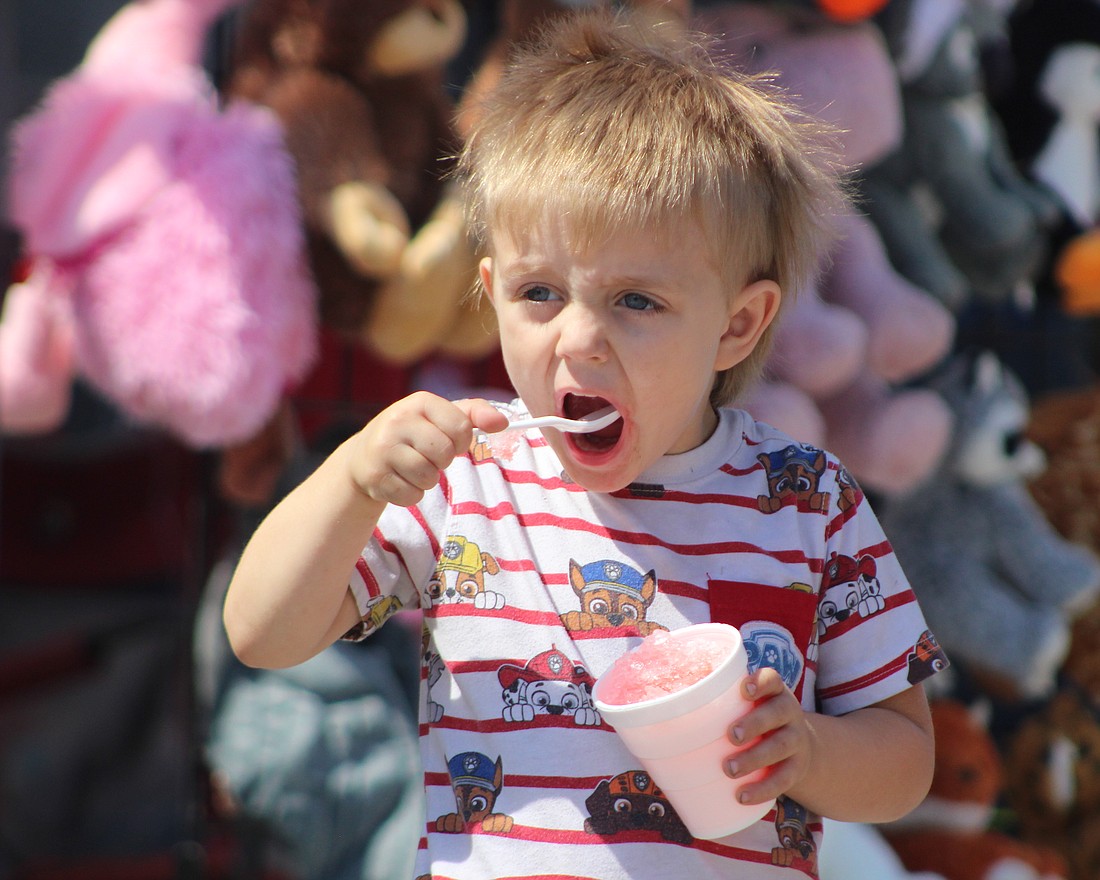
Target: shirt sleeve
398, 562
873, 641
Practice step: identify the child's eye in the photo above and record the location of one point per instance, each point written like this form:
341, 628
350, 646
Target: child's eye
638, 302
537, 293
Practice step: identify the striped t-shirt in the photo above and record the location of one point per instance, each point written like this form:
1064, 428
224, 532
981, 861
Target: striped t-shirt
531, 587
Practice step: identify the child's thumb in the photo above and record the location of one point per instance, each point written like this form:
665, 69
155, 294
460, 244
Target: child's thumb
483, 414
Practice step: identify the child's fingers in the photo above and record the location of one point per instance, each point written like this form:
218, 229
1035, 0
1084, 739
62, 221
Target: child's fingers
398, 455
483, 414
777, 746
762, 684
779, 779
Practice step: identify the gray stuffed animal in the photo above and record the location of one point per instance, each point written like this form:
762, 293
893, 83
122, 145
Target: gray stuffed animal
998, 585
957, 216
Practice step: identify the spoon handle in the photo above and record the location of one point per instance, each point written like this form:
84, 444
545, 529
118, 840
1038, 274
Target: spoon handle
593, 422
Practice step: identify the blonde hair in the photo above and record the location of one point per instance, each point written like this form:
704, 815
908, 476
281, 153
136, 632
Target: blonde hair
612, 121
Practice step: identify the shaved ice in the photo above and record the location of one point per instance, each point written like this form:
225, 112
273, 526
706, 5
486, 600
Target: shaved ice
662, 665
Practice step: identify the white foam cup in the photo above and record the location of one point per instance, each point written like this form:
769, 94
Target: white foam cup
682, 740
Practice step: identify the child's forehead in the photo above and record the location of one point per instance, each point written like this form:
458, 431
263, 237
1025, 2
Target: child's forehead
655, 256
540, 230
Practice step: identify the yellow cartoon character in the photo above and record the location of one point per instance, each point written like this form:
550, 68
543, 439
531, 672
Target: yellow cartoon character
460, 576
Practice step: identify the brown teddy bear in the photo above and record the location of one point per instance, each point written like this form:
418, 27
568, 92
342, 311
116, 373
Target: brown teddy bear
359, 87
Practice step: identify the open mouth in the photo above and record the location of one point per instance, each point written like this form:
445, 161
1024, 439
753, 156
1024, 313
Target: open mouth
576, 406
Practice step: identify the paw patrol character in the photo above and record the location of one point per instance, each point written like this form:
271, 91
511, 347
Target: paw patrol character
795, 839
381, 609
927, 657
849, 490
469, 566
631, 802
794, 472
549, 684
476, 782
433, 666
611, 594
480, 448
848, 588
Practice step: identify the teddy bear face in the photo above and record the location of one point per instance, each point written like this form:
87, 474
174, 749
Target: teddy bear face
387, 38
362, 42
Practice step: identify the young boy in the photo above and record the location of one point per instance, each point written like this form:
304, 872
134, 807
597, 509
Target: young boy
642, 209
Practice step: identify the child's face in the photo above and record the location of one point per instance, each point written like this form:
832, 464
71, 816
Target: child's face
641, 322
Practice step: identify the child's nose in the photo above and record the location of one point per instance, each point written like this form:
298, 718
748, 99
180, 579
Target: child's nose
581, 335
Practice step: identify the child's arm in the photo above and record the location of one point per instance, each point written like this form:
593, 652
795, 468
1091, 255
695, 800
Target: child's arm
871, 765
289, 595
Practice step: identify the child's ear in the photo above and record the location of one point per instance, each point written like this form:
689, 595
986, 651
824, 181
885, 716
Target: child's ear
751, 311
485, 269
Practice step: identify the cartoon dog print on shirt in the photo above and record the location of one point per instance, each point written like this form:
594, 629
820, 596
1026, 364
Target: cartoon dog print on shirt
926, 658
611, 594
549, 684
795, 841
793, 472
477, 783
849, 588
460, 576
632, 802
849, 490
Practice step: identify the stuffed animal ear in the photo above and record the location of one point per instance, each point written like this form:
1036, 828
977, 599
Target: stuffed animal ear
419, 39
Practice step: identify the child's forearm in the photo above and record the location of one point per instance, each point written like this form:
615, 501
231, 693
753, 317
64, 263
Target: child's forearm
872, 765
289, 597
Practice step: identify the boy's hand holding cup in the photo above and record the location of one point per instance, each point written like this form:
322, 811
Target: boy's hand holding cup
672, 701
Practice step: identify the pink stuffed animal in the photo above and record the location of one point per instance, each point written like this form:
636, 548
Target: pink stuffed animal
165, 240
843, 351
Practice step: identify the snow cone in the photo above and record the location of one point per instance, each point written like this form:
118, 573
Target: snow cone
672, 700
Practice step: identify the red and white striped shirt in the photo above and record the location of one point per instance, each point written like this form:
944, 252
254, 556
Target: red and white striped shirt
531, 587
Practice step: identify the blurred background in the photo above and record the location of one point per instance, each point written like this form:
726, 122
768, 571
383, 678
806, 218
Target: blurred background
948, 354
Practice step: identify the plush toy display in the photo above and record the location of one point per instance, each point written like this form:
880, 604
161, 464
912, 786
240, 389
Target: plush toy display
1053, 770
1051, 110
950, 831
998, 585
957, 216
1051, 114
1066, 426
844, 350
165, 240
360, 90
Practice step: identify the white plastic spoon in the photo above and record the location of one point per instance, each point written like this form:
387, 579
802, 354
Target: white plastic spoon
591, 422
